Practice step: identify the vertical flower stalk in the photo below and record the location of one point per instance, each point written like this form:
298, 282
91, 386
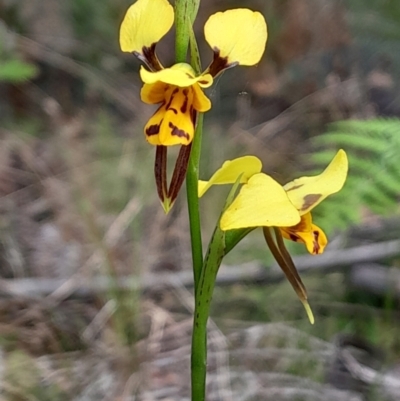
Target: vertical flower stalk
186, 11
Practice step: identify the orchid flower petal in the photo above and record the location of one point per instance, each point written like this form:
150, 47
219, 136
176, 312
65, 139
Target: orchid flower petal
172, 124
308, 233
237, 37
307, 192
180, 74
230, 171
144, 24
260, 202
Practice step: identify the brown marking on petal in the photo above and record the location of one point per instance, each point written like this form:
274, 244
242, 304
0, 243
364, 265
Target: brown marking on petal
160, 171
185, 103
293, 237
219, 63
309, 200
316, 248
189, 75
180, 133
295, 187
179, 174
168, 106
193, 115
148, 56
153, 129
169, 101
203, 82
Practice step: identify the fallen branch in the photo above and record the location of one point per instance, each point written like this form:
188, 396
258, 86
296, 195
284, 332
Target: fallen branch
253, 273
375, 279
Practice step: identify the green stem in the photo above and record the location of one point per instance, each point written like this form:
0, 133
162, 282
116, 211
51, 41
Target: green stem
203, 298
192, 178
185, 14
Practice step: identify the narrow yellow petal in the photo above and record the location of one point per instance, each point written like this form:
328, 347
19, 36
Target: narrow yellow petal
239, 35
181, 74
246, 166
307, 192
144, 24
260, 202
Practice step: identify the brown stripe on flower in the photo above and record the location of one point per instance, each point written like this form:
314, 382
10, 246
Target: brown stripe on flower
219, 63
180, 133
310, 200
295, 187
168, 106
179, 173
193, 115
185, 103
149, 57
316, 247
153, 129
203, 82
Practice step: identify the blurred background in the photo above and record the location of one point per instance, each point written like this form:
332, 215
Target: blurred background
95, 288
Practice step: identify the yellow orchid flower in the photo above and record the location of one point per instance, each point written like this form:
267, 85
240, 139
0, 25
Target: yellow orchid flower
262, 202
237, 37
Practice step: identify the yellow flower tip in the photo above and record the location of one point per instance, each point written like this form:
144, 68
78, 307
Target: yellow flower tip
245, 167
236, 36
144, 24
308, 311
167, 205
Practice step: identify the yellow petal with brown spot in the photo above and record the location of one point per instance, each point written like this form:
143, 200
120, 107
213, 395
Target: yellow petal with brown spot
172, 123
178, 127
153, 126
308, 233
144, 24
307, 192
260, 202
240, 35
230, 171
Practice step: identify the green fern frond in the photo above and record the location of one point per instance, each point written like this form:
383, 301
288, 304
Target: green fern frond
373, 148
